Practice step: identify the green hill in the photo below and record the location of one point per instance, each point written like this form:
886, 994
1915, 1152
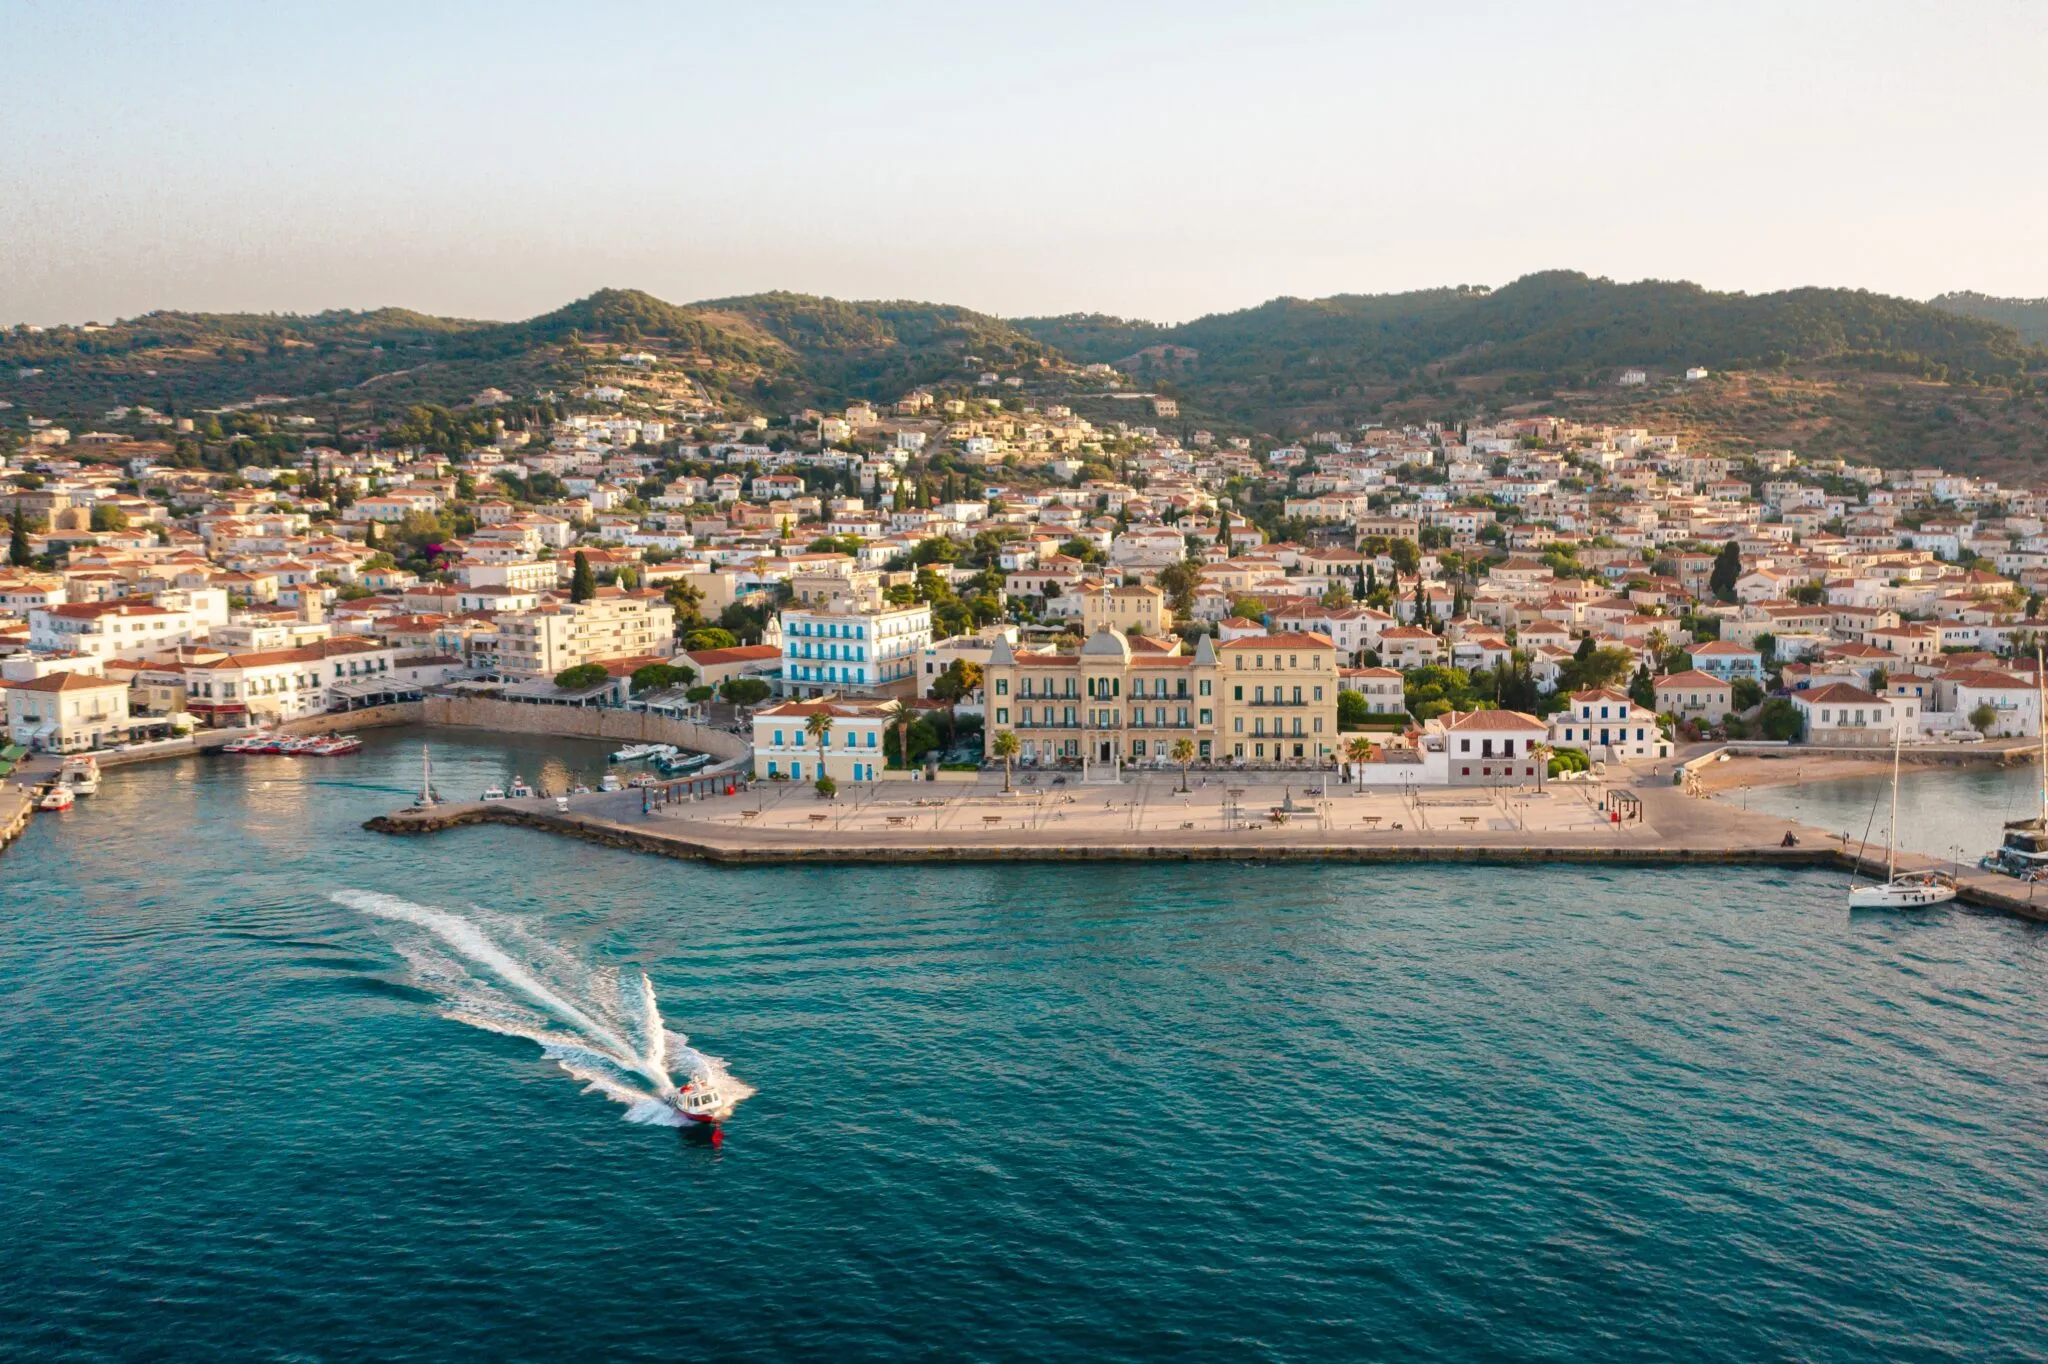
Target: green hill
1876, 377
2027, 316
1558, 329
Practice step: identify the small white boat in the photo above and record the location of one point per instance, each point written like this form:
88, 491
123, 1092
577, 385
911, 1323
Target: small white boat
57, 798
610, 782
494, 793
520, 790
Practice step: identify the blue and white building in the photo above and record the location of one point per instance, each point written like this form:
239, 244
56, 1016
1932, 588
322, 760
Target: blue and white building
850, 750
849, 651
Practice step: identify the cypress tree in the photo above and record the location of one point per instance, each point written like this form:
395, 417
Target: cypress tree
17, 541
583, 585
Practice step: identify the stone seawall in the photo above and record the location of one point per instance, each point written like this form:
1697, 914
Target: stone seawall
629, 726
513, 717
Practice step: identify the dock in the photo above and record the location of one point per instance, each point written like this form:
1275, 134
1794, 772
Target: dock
1234, 818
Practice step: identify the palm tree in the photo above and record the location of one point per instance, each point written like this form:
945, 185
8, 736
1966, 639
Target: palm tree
1658, 642
1184, 754
819, 727
902, 723
1006, 747
1359, 750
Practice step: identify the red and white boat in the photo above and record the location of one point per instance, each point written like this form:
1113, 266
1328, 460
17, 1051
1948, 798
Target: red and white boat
703, 1102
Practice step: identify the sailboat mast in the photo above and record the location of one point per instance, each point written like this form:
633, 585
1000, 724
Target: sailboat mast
2041, 727
1891, 838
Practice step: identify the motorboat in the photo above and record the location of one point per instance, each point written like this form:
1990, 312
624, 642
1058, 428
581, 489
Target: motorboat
1901, 890
80, 774
493, 793
58, 797
677, 766
333, 745
702, 1101
633, 753
610, 782
520, 790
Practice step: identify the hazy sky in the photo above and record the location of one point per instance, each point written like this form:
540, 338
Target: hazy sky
496, 160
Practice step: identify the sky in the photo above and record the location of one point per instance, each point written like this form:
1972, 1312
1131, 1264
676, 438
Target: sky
1157, 161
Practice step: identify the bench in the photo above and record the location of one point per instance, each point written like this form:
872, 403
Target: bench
898, 821
1373, 821
819, 819
750, 814
991, 819
1471, 822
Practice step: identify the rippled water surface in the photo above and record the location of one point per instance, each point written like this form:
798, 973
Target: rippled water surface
1008, 1112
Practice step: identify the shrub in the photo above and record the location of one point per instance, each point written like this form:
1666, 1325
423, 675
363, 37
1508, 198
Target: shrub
827, 788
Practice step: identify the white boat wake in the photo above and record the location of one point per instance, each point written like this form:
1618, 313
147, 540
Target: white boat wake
604, 1028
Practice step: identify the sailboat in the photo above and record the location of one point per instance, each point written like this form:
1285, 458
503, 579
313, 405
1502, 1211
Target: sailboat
1901, 890
2024, 851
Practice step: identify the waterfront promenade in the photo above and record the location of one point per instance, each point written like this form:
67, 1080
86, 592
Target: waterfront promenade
1241, 818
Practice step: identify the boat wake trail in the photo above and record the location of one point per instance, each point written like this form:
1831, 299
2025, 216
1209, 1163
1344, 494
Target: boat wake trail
601, 1026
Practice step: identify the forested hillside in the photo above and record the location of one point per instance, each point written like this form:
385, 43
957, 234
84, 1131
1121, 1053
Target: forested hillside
2027, 316
1882, 378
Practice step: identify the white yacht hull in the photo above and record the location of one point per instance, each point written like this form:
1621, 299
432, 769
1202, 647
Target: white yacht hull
1901, 895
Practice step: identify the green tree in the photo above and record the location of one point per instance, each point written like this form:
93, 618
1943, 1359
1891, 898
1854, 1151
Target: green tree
1745, 693
656, 676
18, 552
106, 518
687, 600
1179, 582
1084, 550
1250, 608
583, 584
1727, 568
1005, 746
581, 676
1406, 555
826, 788
1352, 709
1983, 718
957, 682
1779, 719
1642, 689
744, 691
710, 637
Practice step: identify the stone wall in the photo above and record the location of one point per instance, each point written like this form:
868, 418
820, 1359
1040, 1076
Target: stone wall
580, 722
349, 721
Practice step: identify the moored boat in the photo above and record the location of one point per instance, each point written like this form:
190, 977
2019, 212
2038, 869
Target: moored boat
493, 793
57, 798
520, 790
1901, 890
80, 774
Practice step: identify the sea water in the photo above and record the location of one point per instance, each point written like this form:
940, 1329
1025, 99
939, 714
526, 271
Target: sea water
1129, 1112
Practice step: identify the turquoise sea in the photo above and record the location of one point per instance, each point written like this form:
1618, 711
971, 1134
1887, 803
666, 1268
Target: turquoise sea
1138, 1112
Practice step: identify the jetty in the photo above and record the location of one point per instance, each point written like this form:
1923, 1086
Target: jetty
1238, 818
